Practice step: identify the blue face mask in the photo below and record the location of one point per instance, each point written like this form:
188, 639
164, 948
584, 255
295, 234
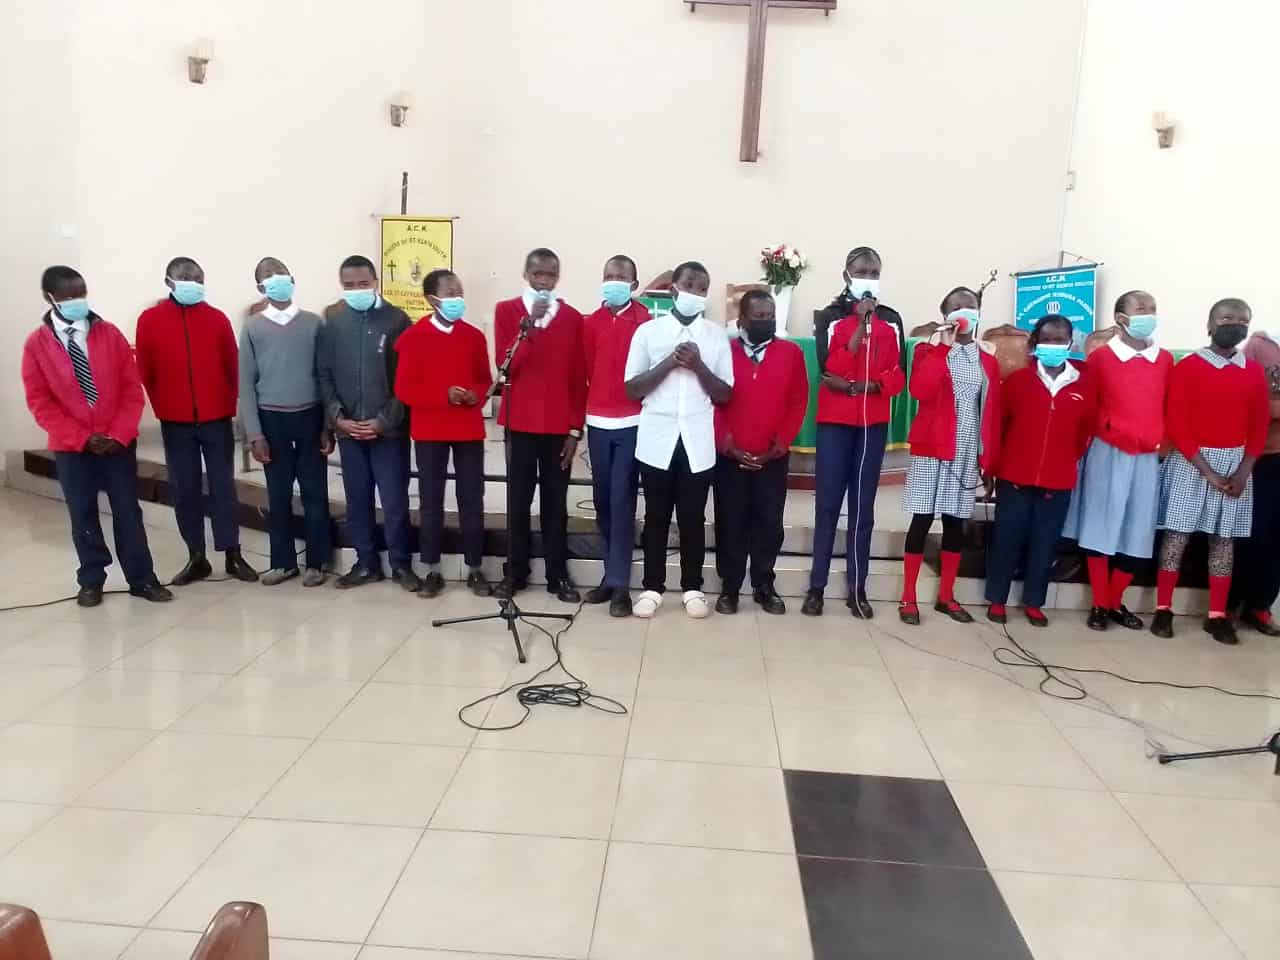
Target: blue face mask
188, 292
1142, 326
1052, 354
452, 308
616, 293
278, 287
73, 311
359, 300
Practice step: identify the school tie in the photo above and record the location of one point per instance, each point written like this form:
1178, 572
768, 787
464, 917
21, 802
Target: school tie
81, 364
755, 353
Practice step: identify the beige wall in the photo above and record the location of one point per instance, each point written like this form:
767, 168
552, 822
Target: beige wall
1195, 222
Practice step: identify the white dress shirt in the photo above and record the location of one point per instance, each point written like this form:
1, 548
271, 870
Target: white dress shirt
81, 327
443, 328
1068, 375
552, 309
278, 316
1126, 353
678, 409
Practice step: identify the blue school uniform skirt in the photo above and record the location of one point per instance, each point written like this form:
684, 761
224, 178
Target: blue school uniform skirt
1116, 503
1189, 505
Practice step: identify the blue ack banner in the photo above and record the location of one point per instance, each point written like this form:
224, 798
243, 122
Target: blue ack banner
1070, 291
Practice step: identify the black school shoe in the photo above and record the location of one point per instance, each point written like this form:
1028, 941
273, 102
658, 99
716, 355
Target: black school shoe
727, 604
564, 591
359, 575
620, 605
406, 579
909, 613
1222, 630
1162, 624
1126, 619
151, 591
432, 585
479, 584
600, 594
769, 601
812, 604
859, 607
1100, 617
508, 587
238, 568
953, 610
89, 597
1265, 627
197, 568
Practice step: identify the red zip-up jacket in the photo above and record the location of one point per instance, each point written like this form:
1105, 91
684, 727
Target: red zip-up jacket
549, 373
933, 432
606, 339
188, 361
881, 348
769, 399
54, 396
1043, 437
431, 361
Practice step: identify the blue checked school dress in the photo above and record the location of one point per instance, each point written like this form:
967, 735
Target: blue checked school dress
936, 486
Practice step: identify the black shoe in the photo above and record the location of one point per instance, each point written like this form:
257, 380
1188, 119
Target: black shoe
769, 601
406, 579
89, 597
620, 605
1099, 618
197, 568
1220, 629
600, 594
1162, 624
997, 616
564, 591
953, 610
432, 585
1122, 616
238, 569
478, 584
813, 603
909, 613
151, 591
859, 607
1265, 627
727, 603
509, 587
359, 575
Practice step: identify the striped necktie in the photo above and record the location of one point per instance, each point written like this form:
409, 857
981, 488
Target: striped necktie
755, 352
81, 364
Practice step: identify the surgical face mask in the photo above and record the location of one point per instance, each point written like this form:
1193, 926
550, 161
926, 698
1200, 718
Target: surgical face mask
1230, 335
452, 308
860, 288
1142, 325
616, 293
359, 300
532, 294
689, 304
188, 292
1052, 354
72, 311
965, 320
278, 287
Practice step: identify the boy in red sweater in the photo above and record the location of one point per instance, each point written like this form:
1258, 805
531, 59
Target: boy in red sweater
543, 407
754, 431
82, 388
443, 377
612, 420
1218, 411
190, 366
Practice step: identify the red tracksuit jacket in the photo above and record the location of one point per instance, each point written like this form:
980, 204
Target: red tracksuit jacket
1043, 437
188, 361
933, 432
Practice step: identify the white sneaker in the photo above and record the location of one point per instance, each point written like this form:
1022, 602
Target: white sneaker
695, 604
647, 604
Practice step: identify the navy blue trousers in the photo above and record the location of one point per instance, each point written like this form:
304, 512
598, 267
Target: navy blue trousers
380, 465
842, 469
614, 480
294, 440
1027, 528
82, 477
186, 445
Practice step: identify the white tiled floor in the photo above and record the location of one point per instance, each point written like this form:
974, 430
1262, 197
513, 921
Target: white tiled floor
302, 748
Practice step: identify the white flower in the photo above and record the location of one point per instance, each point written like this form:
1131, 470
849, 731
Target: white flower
793, 261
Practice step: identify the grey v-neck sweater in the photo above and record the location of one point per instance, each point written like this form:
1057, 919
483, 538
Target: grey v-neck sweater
277, 367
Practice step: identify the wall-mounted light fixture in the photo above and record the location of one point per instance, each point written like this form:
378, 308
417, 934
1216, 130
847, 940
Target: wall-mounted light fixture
400, 104
1164, 125
198, 59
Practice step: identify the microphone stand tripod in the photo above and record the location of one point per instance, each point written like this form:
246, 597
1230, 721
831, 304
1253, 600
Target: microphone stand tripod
1271, 746
508, 611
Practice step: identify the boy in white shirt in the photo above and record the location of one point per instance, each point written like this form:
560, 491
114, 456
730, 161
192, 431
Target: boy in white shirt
678, 367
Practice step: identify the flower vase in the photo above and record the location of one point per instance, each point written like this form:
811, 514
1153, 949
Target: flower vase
782, 300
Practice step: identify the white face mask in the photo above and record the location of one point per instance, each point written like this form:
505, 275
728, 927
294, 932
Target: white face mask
862, 287
689, 304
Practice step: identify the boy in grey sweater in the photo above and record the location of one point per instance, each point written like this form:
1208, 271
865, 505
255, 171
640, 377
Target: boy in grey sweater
284, 421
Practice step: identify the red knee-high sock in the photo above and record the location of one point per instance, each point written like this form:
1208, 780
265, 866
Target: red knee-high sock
1219, 589
1166, 580
910, 573
950, 567
1099, 574
1120, 580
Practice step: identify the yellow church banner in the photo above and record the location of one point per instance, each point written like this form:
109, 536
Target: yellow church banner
411, 248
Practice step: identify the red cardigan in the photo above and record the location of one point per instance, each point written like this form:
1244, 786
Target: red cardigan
430, 362
885, 369
1218, 407
606, 339
933, 431
188, 361
1043, 437
769, 399
1131, 399
549, 374
54, 396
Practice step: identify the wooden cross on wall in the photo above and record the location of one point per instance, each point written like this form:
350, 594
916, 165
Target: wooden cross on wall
749, 148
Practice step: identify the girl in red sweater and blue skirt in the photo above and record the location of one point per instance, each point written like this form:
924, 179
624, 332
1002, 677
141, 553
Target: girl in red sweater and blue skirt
1047, 423
1218, 412
955, 433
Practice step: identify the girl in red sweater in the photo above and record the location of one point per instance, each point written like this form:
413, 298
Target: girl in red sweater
1217, 414
955, 433
1046, 424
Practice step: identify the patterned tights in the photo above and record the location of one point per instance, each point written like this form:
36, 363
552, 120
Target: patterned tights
1221, 553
